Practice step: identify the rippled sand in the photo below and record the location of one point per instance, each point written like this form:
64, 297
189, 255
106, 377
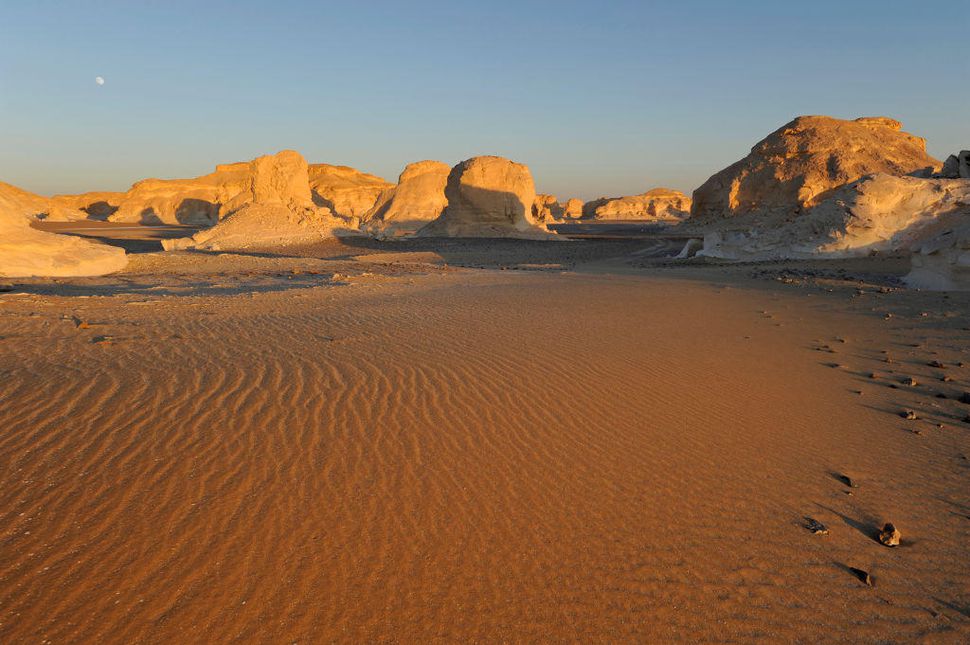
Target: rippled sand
230, 449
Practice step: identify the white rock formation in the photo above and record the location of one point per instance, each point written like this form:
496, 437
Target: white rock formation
800, 164
272, 207
488, 197
25, 251
877, 213
205, 200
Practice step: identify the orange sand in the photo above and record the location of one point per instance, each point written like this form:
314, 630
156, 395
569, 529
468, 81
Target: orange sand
466, 455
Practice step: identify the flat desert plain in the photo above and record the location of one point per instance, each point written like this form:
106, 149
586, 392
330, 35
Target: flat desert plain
448, 441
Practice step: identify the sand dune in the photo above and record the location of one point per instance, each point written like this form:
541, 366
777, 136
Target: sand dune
436, 454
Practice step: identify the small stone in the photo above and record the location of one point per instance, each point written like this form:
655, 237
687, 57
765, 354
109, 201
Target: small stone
909, 415
965, 398
890, 535
815, 526
937, 364
909, 380
862, 575
873, 375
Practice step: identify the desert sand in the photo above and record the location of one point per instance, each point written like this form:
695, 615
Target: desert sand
482, 441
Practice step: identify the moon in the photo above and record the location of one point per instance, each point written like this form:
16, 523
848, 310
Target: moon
99, 80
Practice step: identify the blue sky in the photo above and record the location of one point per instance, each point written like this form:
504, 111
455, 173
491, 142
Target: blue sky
598, 98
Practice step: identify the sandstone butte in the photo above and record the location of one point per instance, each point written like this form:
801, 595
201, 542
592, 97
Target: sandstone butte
488, 197
418, 198
25, 251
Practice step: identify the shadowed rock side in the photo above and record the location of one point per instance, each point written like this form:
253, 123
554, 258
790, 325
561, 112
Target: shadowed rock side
573, 209
345, 191
658, 204
418, 198
877, 213
942, 263
546, 209
25, 251
488, 197
798, 165
274, 207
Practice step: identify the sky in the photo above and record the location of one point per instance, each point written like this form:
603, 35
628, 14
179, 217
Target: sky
598, 98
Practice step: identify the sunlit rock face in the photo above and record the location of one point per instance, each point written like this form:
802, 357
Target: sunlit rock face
488, 197
25, 251
797, 166
418, 198
547, 209
344, 190
656, 205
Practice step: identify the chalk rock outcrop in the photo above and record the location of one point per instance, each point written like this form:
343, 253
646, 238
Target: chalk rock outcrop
800, 164
488, 197
205, 200
418, 198
877, 213
547, 209
658, 205
573, 208
25, 251
942, 263
345, 191
273, 207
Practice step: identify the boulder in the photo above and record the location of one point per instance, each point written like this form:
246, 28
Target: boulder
25, 251
657, 205
803, 162
879, 213
345, 191
488, 197
418, 198
546, 209
573, 208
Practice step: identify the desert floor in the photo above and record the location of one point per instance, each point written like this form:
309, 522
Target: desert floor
481, 441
